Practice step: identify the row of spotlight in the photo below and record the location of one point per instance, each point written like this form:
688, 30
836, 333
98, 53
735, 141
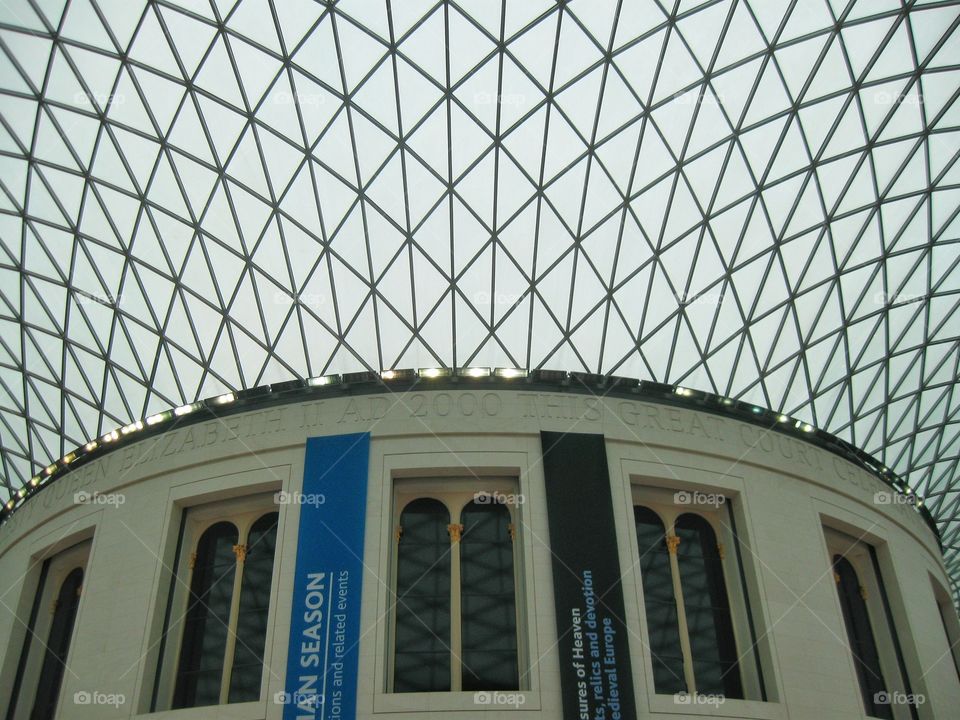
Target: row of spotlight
563, 378
104, 442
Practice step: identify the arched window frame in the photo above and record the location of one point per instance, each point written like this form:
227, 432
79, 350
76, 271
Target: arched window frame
858, 553
949, 620
242, 513
60, 564
676, 677
715, 556
65, 608
662, 501
445, 559
472, 672
455, 494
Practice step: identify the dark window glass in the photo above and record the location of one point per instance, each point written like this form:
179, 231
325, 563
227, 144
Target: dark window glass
247, 668
660, 603
58, 645
707, 609
200, 670
860, 634
944, 608
422, 658
487, 600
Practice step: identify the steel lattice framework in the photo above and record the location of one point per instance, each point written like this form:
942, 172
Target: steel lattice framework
757, 199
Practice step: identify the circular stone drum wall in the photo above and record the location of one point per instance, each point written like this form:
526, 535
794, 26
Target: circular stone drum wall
560, 551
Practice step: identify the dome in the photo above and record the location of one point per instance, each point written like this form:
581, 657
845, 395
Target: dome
758, 200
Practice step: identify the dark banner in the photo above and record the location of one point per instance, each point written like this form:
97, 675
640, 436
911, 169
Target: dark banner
325, 625
595, 671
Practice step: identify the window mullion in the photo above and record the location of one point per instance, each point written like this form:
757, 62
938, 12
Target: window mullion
240, 552
456, 645
394, 586
175, 656
519, 609
673, 541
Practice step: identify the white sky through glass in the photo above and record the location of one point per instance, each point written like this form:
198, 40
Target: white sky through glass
757, 199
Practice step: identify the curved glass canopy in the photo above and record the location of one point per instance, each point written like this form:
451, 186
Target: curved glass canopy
757, 199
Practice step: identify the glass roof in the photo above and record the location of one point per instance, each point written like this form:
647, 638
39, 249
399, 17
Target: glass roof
757, 199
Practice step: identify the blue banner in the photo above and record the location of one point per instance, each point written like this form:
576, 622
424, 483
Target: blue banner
325, 623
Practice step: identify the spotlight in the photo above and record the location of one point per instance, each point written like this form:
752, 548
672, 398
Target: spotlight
510, 373
322, 380
132, 427
433, 373
475, 372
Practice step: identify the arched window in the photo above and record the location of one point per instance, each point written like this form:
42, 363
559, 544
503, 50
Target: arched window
860, 634
58, 645
707, 609
693, 641
487, 599
422, 629
219, 656
251, 626
659, 602
456, 609
200, 671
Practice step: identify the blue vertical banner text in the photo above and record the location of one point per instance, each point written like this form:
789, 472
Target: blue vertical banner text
321, 682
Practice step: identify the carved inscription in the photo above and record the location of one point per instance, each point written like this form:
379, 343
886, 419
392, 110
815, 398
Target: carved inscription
646, 421
241, 427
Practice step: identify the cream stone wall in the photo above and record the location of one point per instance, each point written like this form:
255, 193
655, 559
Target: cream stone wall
783, 491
